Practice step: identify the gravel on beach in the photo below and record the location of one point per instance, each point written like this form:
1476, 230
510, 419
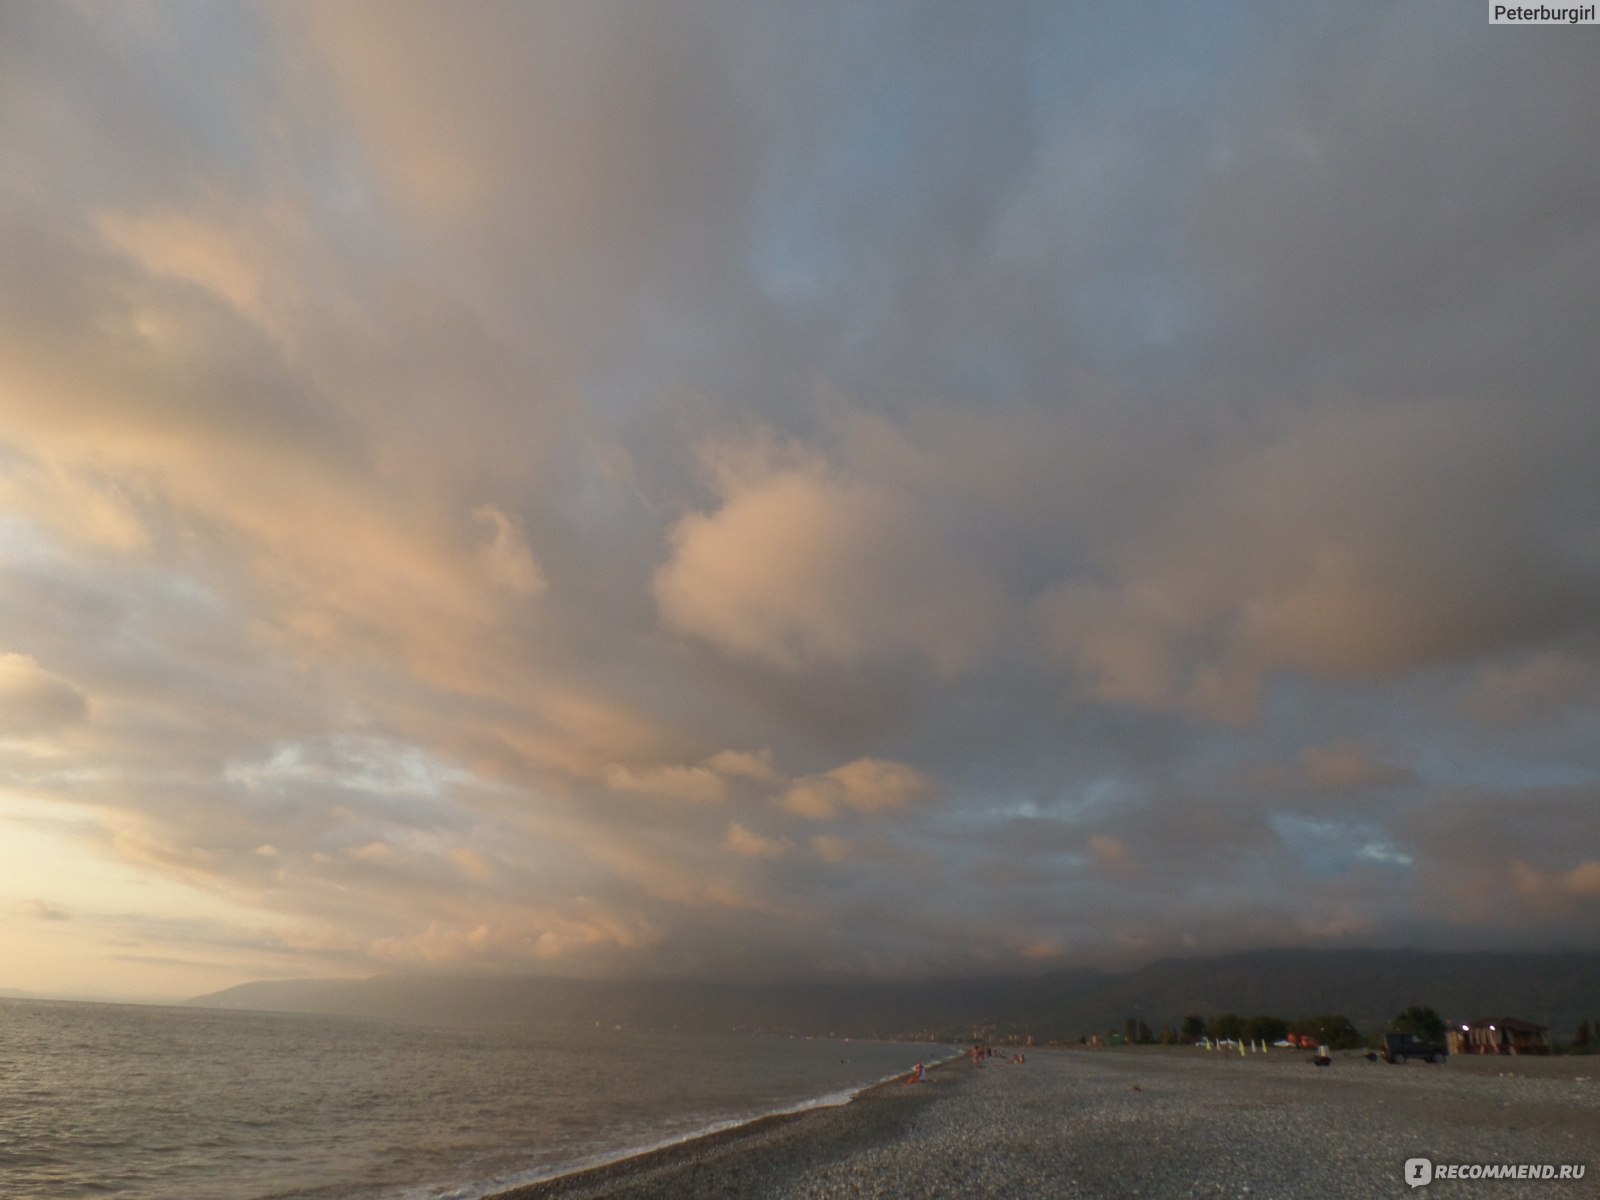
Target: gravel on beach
1147, 1124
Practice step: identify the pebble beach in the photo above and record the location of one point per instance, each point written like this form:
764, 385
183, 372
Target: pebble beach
1146, 1123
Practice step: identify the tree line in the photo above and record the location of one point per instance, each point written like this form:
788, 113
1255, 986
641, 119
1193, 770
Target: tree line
1334, 1030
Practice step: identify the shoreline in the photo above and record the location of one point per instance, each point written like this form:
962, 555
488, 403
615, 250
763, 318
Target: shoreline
757, 1135
1116, 1123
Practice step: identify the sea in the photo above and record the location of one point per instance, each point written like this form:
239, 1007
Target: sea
110, 1100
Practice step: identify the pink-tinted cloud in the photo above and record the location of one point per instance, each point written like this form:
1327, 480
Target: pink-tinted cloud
800, 567
864, 786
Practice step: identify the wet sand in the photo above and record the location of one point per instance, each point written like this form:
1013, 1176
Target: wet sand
1146, 1123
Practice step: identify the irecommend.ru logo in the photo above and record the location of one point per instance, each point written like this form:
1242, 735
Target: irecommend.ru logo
1419, 1172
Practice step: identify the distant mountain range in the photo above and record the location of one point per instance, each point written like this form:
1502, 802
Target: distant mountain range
19, 994
1368, 986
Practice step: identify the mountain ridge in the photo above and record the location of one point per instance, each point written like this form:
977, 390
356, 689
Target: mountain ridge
1558, 989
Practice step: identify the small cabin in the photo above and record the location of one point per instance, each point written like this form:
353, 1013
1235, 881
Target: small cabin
1500, 1035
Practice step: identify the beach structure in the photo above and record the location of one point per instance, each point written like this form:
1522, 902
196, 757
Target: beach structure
1500, 1035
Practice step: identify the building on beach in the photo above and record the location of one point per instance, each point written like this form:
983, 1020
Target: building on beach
1500, 1035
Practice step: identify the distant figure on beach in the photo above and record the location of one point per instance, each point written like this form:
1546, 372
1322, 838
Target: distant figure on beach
1018, 1059
917, 1075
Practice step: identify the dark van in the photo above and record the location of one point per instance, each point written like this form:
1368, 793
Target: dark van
1397, 1047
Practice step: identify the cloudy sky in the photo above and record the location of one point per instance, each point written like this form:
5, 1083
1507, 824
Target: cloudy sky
770, 490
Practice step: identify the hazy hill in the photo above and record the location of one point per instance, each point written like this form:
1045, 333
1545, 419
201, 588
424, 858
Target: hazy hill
1369, 986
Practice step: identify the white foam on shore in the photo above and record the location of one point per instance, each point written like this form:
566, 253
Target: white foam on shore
482, 1189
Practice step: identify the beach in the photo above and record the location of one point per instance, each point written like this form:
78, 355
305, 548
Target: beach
1147, 1123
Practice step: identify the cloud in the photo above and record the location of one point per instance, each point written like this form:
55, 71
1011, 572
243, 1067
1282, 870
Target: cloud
1339, 578
833, 849
521, 937
1345, 766
40, 910
35, 701
76, 504
740, 764
233, 252
506, 555
473, 864
1540, 685
801, 567
1492, 859
1144, 646
1341, 767
699, 785
1110, 853
751, 844
1581, 882
864, 786
711, 781
468, 479
380, 853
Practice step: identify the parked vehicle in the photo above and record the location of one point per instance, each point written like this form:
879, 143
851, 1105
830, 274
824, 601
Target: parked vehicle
1397, 1047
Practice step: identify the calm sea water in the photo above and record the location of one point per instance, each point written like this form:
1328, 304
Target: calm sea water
190, 1104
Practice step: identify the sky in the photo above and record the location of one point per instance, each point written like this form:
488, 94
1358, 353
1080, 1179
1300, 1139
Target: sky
836, 490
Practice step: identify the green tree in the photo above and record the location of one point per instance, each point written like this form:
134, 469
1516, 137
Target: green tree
1422, 1021
1227, 1026
1266, 1029
1136, 1033
1194, 1028
1334, 1030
